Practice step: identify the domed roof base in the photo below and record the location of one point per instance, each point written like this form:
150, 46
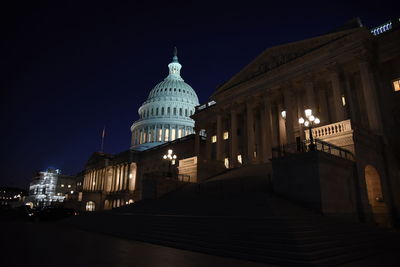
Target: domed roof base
146, 146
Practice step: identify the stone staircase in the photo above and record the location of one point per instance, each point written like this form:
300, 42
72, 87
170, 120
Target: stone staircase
233, 219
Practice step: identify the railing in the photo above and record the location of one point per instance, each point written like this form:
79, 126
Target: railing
330, 130
306, 146
382, 28
206, 105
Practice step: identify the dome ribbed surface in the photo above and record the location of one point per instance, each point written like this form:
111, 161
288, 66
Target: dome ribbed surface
165, 115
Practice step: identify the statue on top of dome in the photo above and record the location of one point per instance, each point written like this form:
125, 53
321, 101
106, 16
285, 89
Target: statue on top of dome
175, 58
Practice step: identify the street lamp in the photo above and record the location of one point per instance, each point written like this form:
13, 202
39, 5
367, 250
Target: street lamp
171, 160
309, 122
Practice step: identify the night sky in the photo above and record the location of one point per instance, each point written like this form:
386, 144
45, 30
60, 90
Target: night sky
68, 70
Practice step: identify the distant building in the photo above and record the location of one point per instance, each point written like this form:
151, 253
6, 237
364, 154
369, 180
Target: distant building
11, 196
50, 187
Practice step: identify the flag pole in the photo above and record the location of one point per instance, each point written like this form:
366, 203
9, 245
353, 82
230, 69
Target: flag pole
102, 138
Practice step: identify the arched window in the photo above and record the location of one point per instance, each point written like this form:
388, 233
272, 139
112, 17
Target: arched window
90, 206
175, 111
156, 111
180, 112
186, 112
168, 110
162, 111
152, 112
191, 113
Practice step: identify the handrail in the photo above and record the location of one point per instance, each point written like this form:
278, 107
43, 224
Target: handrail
306, 146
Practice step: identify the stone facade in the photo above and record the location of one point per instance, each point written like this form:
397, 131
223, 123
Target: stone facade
345, 78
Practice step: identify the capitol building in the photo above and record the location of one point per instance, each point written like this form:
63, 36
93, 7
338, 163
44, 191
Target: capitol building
346, 164
165, 115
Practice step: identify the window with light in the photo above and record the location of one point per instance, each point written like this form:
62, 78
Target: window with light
226, 135
396, 85
239, 158
213, 139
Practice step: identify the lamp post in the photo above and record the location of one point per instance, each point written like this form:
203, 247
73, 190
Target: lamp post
309, 122
171, 160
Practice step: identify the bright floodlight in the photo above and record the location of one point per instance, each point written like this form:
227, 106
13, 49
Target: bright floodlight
301, 120
311, 118
174, 156
308, 112
283, 113
317, 121
306, 123
169, 151
165, 156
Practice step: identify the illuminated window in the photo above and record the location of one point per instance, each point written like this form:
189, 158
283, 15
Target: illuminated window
239, 158
213, 139
396, 85
226, 163
226, 135
62, 185
343, 101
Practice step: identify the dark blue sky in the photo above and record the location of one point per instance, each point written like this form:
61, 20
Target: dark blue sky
67, 70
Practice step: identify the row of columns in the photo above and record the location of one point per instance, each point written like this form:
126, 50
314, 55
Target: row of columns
111, 179
95, 180
274, 130
157, 133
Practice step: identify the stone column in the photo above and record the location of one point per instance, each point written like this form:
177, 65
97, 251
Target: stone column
233, 139
310, 96
162, 133
219, 138
197, 143
288, 102
208, 143
91, 180
337, 96
250, 131
266, 137
324, 108
370, 96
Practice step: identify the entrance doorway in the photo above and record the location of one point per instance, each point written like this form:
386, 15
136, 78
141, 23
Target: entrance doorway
375, 196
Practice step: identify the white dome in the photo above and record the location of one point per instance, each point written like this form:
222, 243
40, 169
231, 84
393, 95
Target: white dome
165, 115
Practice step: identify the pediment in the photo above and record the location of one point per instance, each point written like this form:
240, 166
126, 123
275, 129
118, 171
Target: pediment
276, 56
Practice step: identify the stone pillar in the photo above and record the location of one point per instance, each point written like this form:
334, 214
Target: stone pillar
310, 97
233, 139
219, 138
91, 180
289, 106
132, 176
281, 125
197, 143
208, 143
162, 133
257, 137
323, 114
250, 131
370, 96
337, 96
266, 137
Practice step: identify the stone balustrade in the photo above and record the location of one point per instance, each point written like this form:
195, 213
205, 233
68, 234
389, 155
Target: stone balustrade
330, 130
